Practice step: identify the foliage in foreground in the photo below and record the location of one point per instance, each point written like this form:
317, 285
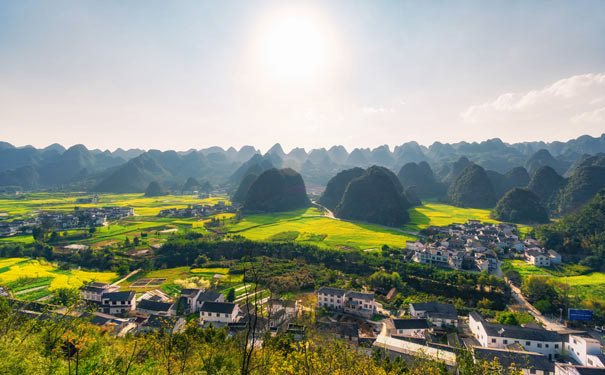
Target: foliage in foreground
60, 345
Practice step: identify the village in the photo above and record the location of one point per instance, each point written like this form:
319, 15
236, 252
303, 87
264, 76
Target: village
57, 220
477, 246
430, 329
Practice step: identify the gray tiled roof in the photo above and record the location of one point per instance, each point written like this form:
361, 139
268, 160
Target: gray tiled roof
525, 360
333, 291
411, 324
119, 296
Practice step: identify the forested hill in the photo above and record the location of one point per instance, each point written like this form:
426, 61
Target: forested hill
580, 233
79, 168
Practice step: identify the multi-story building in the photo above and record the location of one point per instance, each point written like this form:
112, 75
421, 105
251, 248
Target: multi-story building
92, 292
358, 303
118, 302
495, 335
586, 351
221, 312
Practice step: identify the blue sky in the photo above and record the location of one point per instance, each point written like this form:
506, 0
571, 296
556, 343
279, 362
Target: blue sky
191, 74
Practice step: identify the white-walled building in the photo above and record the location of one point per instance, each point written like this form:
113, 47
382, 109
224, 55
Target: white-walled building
221, 312
495, 335
537, 258
118, 302
93, 291
439, 314
358, 303
410, 327
586, 351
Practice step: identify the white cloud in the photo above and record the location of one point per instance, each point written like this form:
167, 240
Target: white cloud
571, 99
596, 116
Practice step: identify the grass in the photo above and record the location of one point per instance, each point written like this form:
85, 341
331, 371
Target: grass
14, 271
583, 285
308, 226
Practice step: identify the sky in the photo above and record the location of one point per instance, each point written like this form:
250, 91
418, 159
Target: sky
193, 74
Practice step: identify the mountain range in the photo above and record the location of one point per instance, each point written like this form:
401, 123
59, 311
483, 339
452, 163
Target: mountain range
120, 171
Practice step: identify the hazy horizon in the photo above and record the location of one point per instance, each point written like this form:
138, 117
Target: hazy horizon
285, 149
158, 75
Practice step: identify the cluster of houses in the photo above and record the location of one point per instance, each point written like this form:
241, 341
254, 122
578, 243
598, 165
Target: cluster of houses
531, 348
471, 246
197, 210
11, 227
79, 218
155, 309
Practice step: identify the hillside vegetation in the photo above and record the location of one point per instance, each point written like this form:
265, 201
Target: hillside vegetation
520, 206
375, 197
472, 188
277, 190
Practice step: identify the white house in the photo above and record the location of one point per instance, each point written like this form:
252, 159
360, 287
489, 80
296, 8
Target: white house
586, 351
494, 335
537, 258
93, 291
147, 306
358, 303
222, 312
118, 302
410, 327
440, 314
330, 297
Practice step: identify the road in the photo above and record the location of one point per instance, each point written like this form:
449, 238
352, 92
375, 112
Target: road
524, 305
125, 277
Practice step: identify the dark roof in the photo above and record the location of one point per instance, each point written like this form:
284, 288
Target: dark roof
521, 333
524, 360
209, 295
534, 253
411, 323
146, 304
218, 307
584, 370
329, 290
361, 295
95, 287
190, 292
119, 296
340, 328
434, 308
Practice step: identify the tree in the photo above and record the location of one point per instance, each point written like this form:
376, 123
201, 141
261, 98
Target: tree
65, 297
231, 295
137, 241
92, 230
543, 306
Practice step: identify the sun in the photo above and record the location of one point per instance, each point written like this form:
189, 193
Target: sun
294, 46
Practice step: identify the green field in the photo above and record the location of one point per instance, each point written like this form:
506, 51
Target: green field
309, 226
143, 206
584, 285
145, 219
